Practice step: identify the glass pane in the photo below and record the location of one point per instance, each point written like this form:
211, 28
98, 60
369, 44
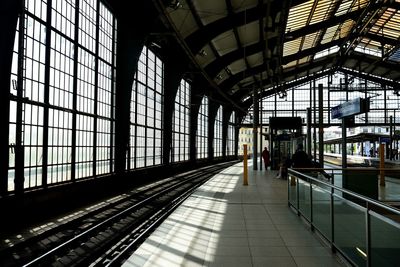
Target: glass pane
385, 241
321, 211
304, 199
349, 220
292, 191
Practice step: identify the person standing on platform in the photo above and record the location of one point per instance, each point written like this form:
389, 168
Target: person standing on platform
265, 155
300, 158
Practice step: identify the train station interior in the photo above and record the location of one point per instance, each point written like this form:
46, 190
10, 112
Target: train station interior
168, 133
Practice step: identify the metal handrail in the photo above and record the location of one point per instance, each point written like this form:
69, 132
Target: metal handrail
361, 197
369, 203
350, 169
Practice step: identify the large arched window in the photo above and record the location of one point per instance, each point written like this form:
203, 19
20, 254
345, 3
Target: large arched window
180, 128
231, 137
146, 112
62, 91
202, 130
218, 134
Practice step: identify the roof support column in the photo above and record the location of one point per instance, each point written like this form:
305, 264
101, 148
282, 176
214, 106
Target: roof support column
212, 113
321, 124
9, 10
172, 79
255, 126
195, 101
130, 44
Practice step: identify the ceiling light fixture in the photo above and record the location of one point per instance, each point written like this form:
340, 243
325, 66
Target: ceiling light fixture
203, 53
175, 4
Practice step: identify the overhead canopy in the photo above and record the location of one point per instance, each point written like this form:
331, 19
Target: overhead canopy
358, 138
274, 44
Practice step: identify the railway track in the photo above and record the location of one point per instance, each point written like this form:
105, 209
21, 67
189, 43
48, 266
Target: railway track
105, 236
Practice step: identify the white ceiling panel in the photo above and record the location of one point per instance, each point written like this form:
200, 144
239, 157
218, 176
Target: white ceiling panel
249, 33
205, 58
240, 5
237, 66
225, 42
183, 20
210, 10
255, 60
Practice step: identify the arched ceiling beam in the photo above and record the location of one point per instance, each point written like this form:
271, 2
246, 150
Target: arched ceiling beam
369, 77
289, 73
247, 104
205, 34
376, 79
233, 80
373, 60
217, 65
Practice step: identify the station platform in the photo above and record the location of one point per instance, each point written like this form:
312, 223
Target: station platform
224, 223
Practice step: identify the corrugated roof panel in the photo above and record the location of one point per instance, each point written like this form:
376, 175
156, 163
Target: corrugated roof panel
357, 4
290, 64
329, 34
344, 7
324, 7
365, 42
346, 28
304, 60
291, 47
309, 40
298, 16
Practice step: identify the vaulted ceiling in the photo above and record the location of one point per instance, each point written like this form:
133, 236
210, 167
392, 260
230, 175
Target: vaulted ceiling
242, 44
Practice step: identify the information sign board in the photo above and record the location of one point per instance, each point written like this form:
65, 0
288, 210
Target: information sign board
349, 108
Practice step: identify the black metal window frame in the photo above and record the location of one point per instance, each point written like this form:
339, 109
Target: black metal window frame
231, 137
217, 141
181, 124
146, 129
62, 93
202, 130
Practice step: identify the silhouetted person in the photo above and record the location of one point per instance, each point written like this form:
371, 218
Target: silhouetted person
265, 155
300, 158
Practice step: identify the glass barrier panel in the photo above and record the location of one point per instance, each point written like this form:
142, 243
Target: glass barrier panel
321, 210
350, 230
304, 199
385, 240
338, 181
292, 184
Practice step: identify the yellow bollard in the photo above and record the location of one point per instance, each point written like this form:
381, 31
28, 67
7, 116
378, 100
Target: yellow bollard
245, 174
382, 164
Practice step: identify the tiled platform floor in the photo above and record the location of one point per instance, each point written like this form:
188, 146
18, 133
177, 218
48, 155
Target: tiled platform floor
227, 224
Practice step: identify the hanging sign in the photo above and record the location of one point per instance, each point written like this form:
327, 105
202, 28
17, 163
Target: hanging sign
353, 107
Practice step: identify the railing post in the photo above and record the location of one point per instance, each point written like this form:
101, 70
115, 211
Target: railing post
311, 207
297, 196
382, 164
368, 235
245, 171
332, 220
